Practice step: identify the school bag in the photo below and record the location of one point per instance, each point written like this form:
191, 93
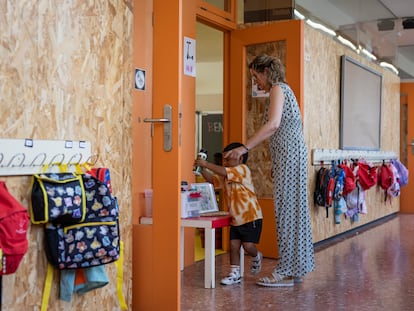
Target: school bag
366, 174
91, 243
57, 198
324, 188
402, 172
350, 179
95, 241
355, 202
14, 223
385, 178
339, 202
394, 190
339, 176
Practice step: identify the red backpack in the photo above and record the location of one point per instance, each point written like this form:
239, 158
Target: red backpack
14, 222
350, 179
367, 175
385, 177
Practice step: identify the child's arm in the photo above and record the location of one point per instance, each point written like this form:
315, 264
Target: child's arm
207, 176
217, 169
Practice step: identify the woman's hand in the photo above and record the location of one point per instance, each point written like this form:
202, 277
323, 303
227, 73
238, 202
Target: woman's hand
235, 153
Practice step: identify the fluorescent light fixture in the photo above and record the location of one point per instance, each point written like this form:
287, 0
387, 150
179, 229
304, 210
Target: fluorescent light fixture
321, 27
389, 66
346, 42
369, 54
298, 14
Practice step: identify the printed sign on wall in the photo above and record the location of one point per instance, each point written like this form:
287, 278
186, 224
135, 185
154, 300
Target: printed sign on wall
139, 79
189, 57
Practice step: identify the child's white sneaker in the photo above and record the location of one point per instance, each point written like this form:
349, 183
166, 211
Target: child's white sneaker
233, 278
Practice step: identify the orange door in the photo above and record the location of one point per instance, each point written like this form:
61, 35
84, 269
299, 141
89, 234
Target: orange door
406, 145
162, 157
284, 38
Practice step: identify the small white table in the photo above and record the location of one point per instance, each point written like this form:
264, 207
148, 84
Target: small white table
209, 223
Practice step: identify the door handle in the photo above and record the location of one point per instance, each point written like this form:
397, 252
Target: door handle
167, 122
149, 120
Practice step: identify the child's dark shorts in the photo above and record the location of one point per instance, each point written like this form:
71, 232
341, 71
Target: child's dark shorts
249, 232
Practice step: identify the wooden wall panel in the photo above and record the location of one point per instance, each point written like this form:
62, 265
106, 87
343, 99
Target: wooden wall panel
322, 123
65, 72
260, 162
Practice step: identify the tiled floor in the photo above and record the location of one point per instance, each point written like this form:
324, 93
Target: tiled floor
371, 269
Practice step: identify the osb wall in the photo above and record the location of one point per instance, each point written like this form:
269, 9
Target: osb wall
254, 118
65, 75
322, 124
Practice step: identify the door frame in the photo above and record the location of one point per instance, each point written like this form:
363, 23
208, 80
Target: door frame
407, 192
234, 110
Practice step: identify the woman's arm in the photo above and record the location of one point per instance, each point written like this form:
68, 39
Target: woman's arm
276, 100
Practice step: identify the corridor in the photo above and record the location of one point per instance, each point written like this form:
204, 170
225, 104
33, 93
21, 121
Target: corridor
369, 269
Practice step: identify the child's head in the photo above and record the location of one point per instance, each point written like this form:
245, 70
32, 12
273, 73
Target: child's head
235, 145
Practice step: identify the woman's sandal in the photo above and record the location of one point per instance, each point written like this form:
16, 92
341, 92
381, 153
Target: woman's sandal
275, 280
297, 279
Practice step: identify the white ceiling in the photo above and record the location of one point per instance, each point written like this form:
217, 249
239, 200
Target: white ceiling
355, 19
358, 21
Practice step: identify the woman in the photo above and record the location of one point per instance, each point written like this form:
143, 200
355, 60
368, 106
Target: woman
283, 127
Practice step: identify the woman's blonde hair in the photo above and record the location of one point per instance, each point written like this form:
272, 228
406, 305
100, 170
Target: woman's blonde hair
276, 70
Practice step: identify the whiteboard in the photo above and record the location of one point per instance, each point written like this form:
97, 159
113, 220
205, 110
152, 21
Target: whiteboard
360, 106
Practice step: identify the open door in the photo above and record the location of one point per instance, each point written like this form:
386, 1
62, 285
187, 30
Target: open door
285, 40
163, 149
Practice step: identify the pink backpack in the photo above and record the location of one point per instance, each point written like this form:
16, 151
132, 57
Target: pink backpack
402, 172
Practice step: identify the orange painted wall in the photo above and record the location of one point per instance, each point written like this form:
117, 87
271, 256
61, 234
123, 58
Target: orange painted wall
407, 192
142, 269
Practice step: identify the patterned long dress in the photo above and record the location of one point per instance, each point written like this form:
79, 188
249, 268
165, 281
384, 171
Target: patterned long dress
289, 170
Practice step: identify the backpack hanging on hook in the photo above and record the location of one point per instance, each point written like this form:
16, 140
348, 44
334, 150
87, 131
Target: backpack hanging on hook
14, 222
324, 188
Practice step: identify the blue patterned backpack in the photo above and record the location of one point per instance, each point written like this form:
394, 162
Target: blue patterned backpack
95, 240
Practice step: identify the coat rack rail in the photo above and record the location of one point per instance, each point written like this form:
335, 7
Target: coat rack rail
327, 155
28, 156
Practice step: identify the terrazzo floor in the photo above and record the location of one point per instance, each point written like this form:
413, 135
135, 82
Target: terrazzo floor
369, 269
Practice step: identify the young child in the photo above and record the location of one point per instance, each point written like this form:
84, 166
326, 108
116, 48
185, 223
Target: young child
244, 208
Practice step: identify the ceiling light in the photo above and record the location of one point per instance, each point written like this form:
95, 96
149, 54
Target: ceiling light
389, 66
298, 14
321, 27
346, 42
368, 53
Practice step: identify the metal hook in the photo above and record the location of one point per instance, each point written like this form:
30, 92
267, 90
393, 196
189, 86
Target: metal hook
52, 161
14, 157
35, 158
79, 155
89, 160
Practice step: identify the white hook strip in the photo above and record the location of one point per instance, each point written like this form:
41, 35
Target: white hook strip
27, 156
328, 155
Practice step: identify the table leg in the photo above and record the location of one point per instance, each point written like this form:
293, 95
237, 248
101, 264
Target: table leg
241, 260
182, 249
209, 263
